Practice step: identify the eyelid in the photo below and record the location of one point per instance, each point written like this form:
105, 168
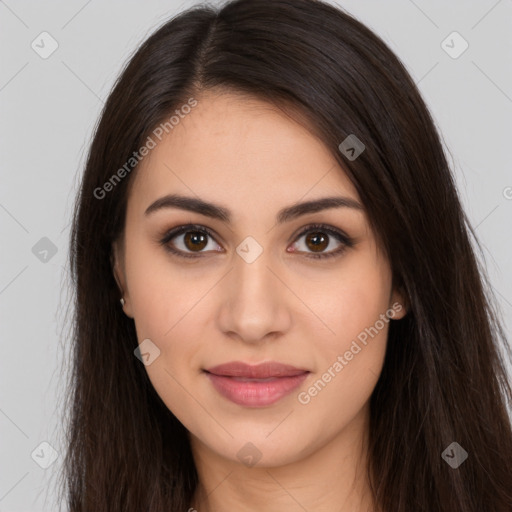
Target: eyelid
180, 230
337, 233
330, 230
345, 240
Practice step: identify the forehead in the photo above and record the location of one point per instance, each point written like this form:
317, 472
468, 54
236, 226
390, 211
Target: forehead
239, 149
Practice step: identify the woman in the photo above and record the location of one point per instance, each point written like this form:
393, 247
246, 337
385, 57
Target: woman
303, 322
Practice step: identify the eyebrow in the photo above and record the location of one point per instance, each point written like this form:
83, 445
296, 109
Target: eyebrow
221, 213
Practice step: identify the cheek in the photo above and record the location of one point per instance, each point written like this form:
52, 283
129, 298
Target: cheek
170, 308
168, 311
352, 301
162, 296
352, 346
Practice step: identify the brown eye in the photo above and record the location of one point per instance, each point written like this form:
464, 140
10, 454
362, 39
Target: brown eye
317, 241
195, 240
190, 241
318, 238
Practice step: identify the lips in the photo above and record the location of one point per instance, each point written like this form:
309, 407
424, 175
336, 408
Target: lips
255, 385
266, 370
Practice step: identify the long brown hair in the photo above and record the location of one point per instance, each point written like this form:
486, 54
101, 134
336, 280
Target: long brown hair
444, 378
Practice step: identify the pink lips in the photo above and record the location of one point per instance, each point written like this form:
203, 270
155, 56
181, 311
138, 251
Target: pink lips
255, 385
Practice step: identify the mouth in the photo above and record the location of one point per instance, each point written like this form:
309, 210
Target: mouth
255, 385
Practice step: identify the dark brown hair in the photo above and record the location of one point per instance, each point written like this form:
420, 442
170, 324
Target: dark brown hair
443, 379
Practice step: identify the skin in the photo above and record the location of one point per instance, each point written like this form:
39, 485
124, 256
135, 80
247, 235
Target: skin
248, 156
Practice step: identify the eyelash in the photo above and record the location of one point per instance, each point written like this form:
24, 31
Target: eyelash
346, 241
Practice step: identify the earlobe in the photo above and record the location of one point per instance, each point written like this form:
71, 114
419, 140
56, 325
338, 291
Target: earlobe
399, 304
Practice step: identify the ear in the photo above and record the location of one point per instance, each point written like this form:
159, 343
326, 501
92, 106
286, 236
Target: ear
398, 303
118, 269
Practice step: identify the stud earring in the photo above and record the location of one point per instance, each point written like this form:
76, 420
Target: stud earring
122, 301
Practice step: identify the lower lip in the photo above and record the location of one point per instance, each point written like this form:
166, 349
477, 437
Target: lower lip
255, 393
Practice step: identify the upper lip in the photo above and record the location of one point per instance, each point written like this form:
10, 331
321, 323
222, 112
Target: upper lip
259, 371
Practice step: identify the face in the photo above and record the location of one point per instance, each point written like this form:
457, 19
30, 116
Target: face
306, 290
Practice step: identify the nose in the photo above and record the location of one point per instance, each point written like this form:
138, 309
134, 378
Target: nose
255, 301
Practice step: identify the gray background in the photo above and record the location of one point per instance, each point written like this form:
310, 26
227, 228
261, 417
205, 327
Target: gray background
48, 111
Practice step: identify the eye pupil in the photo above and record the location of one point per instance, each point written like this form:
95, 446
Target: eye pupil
196, 239
319, 241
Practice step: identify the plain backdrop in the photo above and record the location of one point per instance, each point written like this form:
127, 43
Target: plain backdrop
49, 107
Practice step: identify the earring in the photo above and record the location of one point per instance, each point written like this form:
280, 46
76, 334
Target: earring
122, 301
